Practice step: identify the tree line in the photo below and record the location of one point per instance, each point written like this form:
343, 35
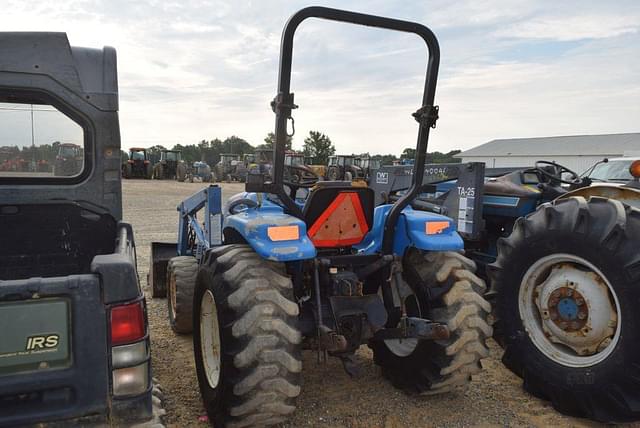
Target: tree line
317, 147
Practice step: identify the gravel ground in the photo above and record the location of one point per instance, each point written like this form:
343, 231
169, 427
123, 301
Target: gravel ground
329, 397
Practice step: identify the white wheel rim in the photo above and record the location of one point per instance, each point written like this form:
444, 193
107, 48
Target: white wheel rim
404, 347
570, 310
210, 339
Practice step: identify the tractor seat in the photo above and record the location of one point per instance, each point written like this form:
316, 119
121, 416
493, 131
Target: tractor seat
338, 214
507, 185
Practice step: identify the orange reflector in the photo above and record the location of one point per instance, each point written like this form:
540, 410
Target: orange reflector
283, 233
343, 223
634, 169
436, 227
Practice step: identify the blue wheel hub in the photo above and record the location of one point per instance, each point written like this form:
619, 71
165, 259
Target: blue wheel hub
568, 309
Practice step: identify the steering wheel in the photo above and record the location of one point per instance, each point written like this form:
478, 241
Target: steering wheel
560, 169
298, 177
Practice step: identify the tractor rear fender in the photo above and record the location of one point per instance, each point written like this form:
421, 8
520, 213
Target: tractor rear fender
419, 229
273, 234
625, 194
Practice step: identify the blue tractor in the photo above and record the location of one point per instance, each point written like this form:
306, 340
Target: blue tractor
306, 264
560, 254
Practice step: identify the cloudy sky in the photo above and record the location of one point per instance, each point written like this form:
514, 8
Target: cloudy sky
198, 69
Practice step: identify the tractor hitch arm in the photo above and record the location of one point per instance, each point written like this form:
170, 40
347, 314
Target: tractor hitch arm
414, 328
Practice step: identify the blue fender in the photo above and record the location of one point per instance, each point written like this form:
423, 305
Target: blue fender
411, 232
252, 225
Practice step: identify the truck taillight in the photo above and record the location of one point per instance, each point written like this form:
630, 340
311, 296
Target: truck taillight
127, 323
129, 350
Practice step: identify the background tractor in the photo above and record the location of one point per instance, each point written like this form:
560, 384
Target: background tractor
69, 160
343, 167
202, 171
315, 264
296, 169
366, 165
242, 167
170, 166
225, 168
138, 165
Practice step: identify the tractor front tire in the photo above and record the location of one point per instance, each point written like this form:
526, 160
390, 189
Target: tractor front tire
567, 286
439, 366
246, 341
181, 280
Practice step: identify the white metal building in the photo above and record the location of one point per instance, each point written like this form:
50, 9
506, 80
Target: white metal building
576, 152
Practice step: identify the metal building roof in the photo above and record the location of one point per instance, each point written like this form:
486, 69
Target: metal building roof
583, 145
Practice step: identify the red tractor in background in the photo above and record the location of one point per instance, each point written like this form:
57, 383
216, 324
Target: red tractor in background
138, 165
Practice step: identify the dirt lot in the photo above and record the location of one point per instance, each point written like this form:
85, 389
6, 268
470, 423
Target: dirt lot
329, 397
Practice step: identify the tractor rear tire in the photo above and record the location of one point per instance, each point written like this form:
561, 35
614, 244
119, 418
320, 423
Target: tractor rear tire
439, 366
158, 172
181, 172
148, 171
596, 242
181, 280
128, 171
333, 174
246, 341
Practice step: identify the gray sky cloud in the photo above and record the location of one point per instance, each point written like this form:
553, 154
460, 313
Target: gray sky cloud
192, 70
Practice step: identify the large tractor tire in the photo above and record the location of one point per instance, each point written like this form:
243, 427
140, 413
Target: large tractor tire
148, 171
434, 367
333, 173
567, 287
181, 280
246, 341
158, 172
128, 170
181, 172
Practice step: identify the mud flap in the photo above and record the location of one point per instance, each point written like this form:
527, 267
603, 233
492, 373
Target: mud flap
161, 253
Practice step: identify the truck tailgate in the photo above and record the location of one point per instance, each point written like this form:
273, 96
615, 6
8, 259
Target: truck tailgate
53, 350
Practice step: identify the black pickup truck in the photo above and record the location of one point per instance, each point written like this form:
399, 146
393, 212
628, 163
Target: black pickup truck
74, 338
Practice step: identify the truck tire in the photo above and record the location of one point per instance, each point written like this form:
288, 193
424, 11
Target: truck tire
246, 341
181, 280
566, 285
439, 366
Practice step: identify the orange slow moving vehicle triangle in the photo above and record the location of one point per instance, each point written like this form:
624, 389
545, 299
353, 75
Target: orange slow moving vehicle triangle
343, 223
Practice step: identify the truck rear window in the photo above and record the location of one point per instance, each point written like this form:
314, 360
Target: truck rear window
38, 140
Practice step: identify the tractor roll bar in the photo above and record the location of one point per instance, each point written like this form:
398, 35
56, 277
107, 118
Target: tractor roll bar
283, 103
